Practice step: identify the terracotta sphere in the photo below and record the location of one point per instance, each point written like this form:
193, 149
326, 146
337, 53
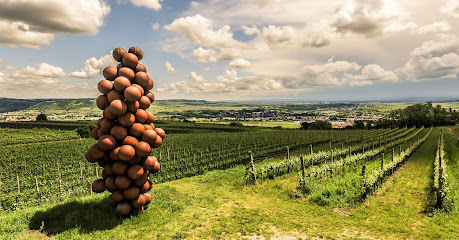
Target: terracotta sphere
132, 94
121, 83
110, 73
105, 86
142, 149
144, 102
118, 53
106, 142
114, 95
129, 140
126, 72
102, 102
137, 51
118, 107
127, 119
130, 60
137, 130
141, 116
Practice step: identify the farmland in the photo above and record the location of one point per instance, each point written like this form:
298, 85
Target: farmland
206, 190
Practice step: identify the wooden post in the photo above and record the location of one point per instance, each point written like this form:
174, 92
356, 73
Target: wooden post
350, 151
302, 166
81, 172
331, 152
254, 175
97, 173
364, 179
90, 188
440, 186
288, 153
399, 150
439, 157
60, 185
19, 186
382, 167
310, 149
168, 156
159, 155
363, 147
38, 189
393, 152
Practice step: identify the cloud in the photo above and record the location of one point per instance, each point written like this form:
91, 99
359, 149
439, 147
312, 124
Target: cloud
287, 36
93, 67
369, 75
205, 55
33, 24
451, 7
433, 60
370, 18
228, 83
153, 4
249, 31
240, 63
155, 26
169, 68
6, 67
199, 30
44, 71
435, 27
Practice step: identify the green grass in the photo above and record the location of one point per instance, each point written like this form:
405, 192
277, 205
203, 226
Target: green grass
217, 205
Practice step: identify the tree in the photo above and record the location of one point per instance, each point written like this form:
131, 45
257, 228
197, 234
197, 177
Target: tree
41, 117
359, 124
317, 125
85, 130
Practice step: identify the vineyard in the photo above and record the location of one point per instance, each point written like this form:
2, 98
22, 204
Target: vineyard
337, 168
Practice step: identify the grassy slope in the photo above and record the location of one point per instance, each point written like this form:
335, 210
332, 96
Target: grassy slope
217, 205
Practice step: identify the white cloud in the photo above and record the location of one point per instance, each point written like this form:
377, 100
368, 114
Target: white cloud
369, 75
153, 4
249, 31
6, 67
169, 68
228, 83
288, 36
155, 26
435, 27
199, 30
240, 63
451, 7
205, 55
370, 18
23, 23
44, 71
435, 59
93, 67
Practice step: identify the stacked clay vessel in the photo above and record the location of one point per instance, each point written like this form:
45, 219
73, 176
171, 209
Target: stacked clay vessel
126, 134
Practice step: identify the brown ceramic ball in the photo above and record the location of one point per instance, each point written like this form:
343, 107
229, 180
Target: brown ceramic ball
137, 211
151, 184
121, 83
123, 209
119, 132
106, 142
142, 149
94, 133
114, 95
149, 163
110, 183
118, 107
127, 119
141, 78
110, 73
137, 51
149, 136
139, 201
101, 162
132, 94
108, 168
137, 129
151, 96
129, 140
120, 167
119, 66
107, 124
134, 160
118, 53
108, 114
102, 102
130, 60
160, 132
99, 122
131, 192
148, 198
142, 91
156, 168
126, 72
117, 195
150, 84
122, 182
89, 157
98, 186
147, 127
100, 133
96, 152
140, 68
152, 125
141, 116
144, 102
114, 153
111, 202
150, 118
141, 181
132, 106
158, 142
126, 152
145, 187
105, 86
105, 174
135, 171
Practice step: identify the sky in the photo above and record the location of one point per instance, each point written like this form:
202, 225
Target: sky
235, 50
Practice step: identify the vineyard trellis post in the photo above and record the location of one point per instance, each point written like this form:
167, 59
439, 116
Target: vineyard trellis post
38, 189
254, 175
19, 186
364, 180
399, 150
440, 186
382, 167
288, 153
302, 167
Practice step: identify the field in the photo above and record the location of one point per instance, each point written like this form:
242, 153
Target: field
206, 187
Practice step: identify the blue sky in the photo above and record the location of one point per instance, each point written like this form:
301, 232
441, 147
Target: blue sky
234, 50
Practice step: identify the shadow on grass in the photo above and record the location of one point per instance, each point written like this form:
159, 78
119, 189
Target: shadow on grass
85, 217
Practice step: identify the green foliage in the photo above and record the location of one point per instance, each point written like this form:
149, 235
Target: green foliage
317, 125
425, 115
236, 124
41, 117
84, 131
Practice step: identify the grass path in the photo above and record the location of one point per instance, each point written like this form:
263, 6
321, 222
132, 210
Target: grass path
216, 205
